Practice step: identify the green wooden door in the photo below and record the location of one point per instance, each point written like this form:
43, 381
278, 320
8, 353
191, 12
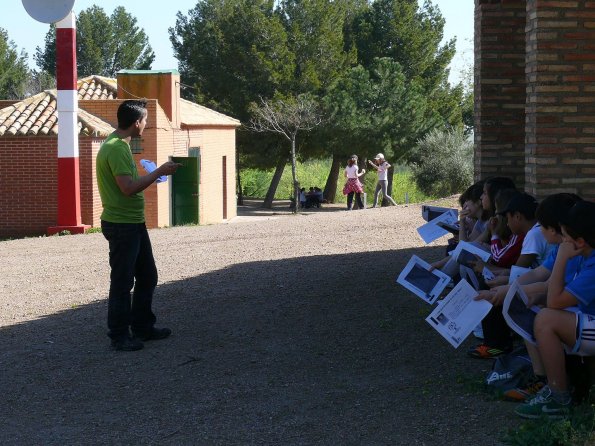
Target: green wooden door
185, 191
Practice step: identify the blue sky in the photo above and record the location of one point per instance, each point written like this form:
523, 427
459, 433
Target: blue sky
27, 34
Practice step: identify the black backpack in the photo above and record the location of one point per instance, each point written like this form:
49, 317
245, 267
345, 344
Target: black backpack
510, 371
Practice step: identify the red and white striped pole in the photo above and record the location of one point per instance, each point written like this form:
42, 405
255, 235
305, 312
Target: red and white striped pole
69, 199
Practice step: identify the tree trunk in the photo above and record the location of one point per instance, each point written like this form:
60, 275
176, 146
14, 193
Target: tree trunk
330, 188
240, 200
296, 184
270, 196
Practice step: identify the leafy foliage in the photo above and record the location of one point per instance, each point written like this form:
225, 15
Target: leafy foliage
13, 69
104, 44
443, 163
376, 107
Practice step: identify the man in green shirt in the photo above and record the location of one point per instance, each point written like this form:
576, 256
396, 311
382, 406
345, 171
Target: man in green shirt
123, 225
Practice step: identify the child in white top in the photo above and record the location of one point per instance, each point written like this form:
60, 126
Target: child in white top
381, 167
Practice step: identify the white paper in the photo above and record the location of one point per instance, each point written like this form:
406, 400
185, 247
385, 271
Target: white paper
469, 275
149, 167
429, 212
518, 317
470, 248
458, 314
487, 274
516, 272
431, 231
426, 284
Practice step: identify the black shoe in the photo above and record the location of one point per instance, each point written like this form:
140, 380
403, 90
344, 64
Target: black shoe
153, 335
127, 344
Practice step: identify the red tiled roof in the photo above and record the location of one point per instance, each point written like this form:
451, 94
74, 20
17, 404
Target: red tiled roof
37, 115
97, 87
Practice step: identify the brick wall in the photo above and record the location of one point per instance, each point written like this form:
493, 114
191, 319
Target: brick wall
500, 88
28, 185
215, 143
91, 207
560, 131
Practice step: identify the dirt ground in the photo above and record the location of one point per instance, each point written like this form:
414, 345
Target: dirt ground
288, 330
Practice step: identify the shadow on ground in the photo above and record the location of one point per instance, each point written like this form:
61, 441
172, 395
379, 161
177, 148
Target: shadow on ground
318, 350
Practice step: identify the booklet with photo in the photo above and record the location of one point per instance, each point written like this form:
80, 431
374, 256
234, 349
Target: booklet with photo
149, 167
432, 231
468, 253
429, 213
417, 278
458, 314
518, 317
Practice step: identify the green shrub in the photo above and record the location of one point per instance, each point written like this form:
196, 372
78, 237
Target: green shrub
93, 230
442, 163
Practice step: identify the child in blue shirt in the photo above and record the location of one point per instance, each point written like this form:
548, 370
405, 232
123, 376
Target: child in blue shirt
557, 330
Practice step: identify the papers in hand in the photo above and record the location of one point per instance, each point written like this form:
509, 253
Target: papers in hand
429, 213
432, 231
466, 252
149, 167
458, 314
417, 278
518, 317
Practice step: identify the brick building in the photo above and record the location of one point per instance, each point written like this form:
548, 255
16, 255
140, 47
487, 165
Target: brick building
535, 94
202, 139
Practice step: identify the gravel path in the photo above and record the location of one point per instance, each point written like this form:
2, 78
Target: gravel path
288, 330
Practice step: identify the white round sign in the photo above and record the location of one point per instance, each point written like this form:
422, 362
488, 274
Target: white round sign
48, 11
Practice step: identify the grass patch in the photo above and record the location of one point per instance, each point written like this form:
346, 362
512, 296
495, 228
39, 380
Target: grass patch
577, 430
313, 173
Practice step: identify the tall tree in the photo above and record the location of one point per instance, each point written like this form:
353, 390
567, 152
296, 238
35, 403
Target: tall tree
104, 44
287, 117
315, 30
234, 52
412, 36
14, 72
376, 109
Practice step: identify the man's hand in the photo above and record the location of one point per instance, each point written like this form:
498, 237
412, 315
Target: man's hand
168, 168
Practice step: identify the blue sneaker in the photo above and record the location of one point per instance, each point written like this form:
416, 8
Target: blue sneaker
543, 405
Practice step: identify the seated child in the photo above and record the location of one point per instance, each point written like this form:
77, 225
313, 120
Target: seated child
557, 330
535, 282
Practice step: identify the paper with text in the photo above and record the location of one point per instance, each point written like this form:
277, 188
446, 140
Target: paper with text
458, 314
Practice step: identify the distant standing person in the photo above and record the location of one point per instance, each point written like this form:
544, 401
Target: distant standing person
123, 225
353, 186
381, 166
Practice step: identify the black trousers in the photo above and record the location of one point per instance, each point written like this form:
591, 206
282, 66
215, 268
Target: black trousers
132, 265
358, 197
496, 332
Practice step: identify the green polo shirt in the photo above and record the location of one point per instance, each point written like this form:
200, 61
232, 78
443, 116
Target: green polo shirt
115, 159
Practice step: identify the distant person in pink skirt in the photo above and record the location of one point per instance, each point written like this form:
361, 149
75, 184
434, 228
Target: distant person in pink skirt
353, 185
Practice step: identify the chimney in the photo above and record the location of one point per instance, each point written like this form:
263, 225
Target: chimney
163, 85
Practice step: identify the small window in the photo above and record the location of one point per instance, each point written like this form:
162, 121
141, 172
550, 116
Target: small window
135, 145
